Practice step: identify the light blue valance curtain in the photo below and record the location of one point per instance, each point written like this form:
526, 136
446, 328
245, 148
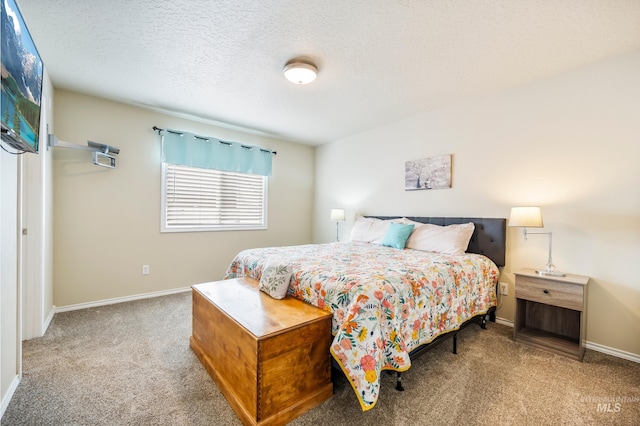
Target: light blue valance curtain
187, 149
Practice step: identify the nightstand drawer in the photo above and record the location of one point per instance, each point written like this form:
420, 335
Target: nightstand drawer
554, 293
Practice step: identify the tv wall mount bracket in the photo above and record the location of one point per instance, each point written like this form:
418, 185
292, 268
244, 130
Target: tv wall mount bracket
102, 153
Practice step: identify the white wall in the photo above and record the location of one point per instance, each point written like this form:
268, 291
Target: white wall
570, 144
37, 244
107, 221
27, 284
9, 350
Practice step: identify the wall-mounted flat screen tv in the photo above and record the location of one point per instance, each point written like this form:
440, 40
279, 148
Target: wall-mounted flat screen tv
21, 82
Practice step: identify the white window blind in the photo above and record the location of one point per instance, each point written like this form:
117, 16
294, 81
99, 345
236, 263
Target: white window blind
197, 199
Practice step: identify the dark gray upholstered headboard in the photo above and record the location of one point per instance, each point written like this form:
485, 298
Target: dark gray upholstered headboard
489, 237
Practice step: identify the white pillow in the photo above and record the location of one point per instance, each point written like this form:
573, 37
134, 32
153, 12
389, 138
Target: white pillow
450, 239
369, 229
275, 278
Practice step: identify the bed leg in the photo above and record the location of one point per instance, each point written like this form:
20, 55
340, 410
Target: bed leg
455, 343
399, 386
484, 322
492, 316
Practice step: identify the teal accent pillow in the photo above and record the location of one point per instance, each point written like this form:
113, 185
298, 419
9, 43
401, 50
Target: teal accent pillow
397, 235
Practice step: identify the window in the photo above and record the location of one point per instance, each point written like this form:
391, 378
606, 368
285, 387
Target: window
195, 199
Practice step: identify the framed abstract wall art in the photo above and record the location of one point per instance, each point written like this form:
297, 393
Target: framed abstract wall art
428, 173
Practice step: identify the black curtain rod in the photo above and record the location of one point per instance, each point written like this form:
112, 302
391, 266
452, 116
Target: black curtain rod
158, 129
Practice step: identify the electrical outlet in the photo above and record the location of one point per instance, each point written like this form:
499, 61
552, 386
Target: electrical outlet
504, 289
145, 269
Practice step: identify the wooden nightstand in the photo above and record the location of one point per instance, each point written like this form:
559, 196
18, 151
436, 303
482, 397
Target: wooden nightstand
551, 312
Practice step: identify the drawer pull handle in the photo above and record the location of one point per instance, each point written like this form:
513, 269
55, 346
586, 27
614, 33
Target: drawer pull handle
546, 291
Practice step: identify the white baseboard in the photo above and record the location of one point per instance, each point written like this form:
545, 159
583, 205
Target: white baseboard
590, 345
503, 321
47, 322
613, 351
115, 300
6, 398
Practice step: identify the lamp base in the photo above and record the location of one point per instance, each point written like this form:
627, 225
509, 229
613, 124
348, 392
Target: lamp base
551, 273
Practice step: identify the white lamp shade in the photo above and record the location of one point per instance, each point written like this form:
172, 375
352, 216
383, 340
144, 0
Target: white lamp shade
300, 73
337, 214
530, 217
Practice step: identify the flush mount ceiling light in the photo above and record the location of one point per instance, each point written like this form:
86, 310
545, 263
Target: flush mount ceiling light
300, 72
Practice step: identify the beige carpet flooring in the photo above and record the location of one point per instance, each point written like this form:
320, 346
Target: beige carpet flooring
130, 364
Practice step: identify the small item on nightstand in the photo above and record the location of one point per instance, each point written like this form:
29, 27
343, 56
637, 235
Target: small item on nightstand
551, 272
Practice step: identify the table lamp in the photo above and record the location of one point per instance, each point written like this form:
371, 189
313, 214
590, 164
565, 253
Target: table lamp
338, 216
531, 217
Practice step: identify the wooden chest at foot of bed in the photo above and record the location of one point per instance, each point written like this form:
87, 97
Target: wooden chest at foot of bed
270, 358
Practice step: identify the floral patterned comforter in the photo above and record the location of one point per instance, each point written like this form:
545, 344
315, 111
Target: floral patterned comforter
385, 302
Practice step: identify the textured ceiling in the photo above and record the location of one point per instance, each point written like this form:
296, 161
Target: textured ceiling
379, 60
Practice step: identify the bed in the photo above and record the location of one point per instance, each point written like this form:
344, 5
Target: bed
388, 303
